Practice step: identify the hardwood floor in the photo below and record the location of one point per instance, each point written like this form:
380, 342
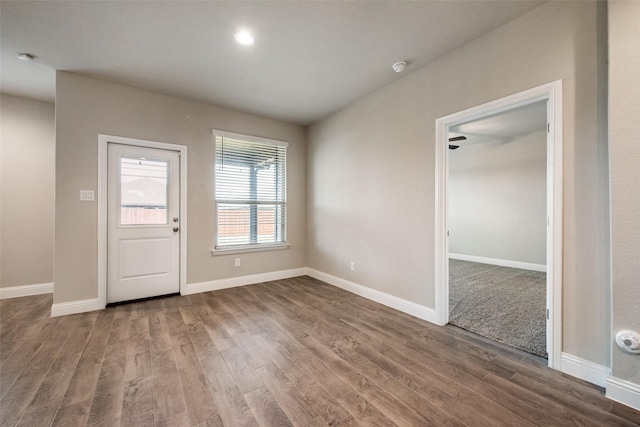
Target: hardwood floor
295, 352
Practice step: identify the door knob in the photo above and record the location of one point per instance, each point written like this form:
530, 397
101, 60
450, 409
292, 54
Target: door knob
175, 229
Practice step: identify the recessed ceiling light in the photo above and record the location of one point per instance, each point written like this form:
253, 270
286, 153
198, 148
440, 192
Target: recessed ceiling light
26, 57
244, 38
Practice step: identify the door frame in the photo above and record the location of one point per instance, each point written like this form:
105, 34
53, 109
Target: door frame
103, 143
552, 93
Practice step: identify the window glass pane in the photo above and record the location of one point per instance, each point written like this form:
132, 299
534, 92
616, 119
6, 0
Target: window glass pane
233, 224
250, 192
143, 191
270, 224
243, 224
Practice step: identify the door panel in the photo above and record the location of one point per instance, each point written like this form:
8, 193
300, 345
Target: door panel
143, 223
144, 257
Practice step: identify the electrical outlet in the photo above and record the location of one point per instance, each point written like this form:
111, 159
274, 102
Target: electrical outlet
352, 266
237, 262
86, 195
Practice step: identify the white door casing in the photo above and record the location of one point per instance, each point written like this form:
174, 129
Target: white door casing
143, 222
552, 93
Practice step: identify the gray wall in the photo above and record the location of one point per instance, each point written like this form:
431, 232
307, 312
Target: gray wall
624, 154
86, 107
27, 155
498, 199
383, 147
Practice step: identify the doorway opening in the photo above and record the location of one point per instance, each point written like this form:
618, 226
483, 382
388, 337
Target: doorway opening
497, 227
549, 98
141, 219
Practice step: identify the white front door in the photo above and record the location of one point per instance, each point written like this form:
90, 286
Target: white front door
143, 193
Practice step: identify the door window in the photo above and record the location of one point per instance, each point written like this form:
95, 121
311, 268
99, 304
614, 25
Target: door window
143, 191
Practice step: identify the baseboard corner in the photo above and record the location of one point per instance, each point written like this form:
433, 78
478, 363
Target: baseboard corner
584, 369
405, 306
75, 307
232, 282
624, 392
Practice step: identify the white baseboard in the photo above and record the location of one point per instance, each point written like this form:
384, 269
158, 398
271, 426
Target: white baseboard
584, 369
26, 290
500, 262
624, 392
417, 310
232, 282
75, 307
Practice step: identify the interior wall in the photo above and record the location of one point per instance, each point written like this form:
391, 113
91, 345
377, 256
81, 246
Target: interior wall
27, 154
383, 146
624, 157
86, 107
498, 199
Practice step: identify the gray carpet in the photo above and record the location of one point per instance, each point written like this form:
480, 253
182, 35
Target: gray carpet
501, 303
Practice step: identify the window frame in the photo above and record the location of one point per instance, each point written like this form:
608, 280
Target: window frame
257, 246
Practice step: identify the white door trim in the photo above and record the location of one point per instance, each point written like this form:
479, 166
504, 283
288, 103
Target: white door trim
552, 92
103, 141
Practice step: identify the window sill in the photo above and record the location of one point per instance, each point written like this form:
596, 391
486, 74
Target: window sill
250, 248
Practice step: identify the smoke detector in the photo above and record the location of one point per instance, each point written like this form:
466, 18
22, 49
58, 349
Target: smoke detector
27, 57
399, 67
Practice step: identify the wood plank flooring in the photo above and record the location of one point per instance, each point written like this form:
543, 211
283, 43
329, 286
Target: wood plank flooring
295, 352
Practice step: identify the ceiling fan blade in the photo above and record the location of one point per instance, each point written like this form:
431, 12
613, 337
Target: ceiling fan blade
458, 138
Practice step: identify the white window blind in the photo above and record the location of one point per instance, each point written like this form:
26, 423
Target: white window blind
250, 191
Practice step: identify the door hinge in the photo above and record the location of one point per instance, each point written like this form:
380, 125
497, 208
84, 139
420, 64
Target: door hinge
548, 128
547, 314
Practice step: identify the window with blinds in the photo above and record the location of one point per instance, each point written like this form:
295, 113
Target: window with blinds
250, 191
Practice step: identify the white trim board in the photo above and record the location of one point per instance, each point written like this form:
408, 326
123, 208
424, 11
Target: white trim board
408, 307
26, 290
500, 262
232, 282
624, 392
81, 306
584, 369
75, 307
